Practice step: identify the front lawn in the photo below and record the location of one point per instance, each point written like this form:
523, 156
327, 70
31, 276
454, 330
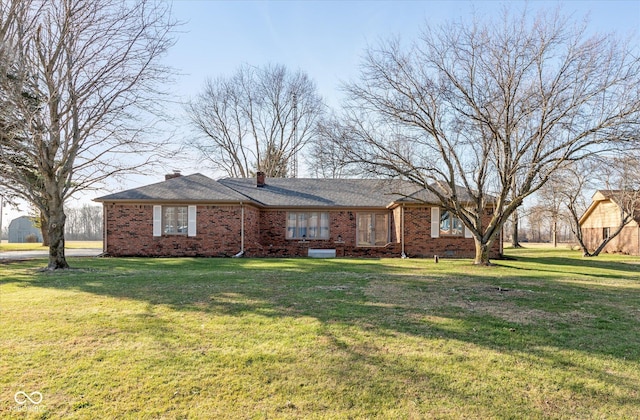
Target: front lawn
547, 335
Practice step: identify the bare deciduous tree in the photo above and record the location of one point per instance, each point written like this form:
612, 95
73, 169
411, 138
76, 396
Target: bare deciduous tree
550, 199
84, 223
475, 105
514, 220
537, 218
256, 120
326, 158
78, 84
573, 183
514, 224
577, 179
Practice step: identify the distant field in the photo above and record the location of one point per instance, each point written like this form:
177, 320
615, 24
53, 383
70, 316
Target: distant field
547, 335
38, 246
4, 246
561, 245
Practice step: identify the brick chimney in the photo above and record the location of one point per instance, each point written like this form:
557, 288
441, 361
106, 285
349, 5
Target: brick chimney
175, 174
260, 179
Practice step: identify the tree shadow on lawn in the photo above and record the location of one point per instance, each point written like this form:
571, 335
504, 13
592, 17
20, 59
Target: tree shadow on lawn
361, 293
472, 384
583, 266
548, 325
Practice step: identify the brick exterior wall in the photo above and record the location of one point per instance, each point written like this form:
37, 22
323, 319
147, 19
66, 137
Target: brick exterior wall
129, 232
342, 223
419, 243
251, 230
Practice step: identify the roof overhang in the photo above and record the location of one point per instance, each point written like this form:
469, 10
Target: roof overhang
597, 198
176, 201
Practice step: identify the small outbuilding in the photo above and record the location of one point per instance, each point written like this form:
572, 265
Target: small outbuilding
23, 229
604, 216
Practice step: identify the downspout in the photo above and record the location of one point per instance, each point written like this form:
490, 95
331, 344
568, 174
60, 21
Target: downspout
104, 230
403, 255
241, 253
105, 237
502, 241
242, 228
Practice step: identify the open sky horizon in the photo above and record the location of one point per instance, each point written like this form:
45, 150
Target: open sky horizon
325, 39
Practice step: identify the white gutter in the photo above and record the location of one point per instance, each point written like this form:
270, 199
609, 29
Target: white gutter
241, 227
403, 255
104, 228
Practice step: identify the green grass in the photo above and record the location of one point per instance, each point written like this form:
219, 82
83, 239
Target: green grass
547, 335
4, 246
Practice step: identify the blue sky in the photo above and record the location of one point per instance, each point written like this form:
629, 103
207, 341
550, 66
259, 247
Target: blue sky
327, 38
323, 38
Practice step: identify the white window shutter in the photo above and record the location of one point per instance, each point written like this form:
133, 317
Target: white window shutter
157, 220
191, 215
435, 222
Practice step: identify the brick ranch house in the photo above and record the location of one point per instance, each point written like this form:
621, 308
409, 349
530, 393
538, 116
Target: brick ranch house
281, 217
603, 217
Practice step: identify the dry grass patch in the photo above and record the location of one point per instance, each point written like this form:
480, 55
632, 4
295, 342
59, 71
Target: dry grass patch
462, 294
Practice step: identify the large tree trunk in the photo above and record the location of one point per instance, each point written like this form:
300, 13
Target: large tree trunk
55, 230
482, 252
577, 230
515, 239
75, 76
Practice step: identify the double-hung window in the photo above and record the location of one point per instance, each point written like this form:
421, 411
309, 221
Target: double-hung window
450, 225
373, 229
174, 220
307, 225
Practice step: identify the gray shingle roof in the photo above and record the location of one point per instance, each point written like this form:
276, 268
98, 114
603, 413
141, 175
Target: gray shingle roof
281, 192
314, 192
196, 187
426, 196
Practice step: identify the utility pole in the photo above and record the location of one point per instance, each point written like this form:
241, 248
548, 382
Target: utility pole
295, 135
